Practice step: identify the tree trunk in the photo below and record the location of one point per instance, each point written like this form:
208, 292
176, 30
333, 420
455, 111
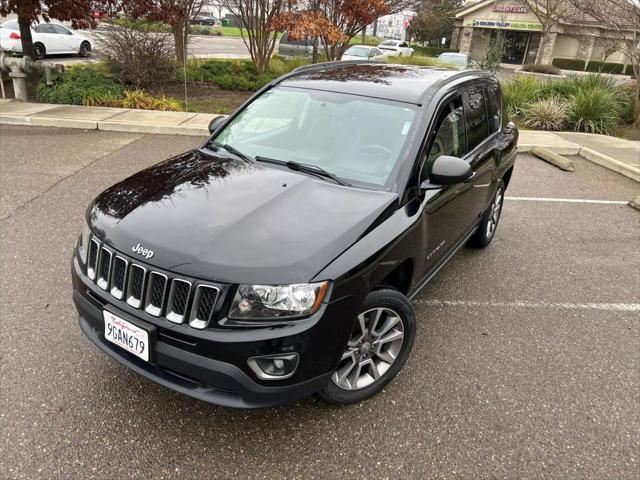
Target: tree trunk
637, 121
178, 31
25, 37
314, 54
364, 35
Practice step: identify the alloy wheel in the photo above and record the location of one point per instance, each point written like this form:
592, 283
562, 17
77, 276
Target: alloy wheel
375, 343
494, 215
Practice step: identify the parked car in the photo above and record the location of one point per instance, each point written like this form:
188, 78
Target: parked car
459, 61
204, 20
366, 52
297, 48
48, 38
396, 48
280, 258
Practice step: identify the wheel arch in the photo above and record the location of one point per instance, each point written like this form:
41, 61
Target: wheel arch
399, 278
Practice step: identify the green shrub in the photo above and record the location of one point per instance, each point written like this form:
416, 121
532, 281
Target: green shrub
239, 74
416, 60
594, 110
548, 114
604, 67
77, 84
431, 51
626, 100
569, 64
519, 93
541, 68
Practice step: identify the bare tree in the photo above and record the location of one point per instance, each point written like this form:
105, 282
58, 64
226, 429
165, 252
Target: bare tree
175, 13
620, 20
548, 12
256, 18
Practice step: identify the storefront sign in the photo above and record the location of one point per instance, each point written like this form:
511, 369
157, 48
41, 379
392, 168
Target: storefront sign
510, 9
476, 23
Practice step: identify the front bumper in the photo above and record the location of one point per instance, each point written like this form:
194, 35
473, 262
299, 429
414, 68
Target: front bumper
212, 364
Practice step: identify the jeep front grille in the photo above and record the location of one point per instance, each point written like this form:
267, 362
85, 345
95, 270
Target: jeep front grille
177, 299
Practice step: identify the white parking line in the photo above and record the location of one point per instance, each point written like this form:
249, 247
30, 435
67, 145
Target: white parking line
618, 307
566, 200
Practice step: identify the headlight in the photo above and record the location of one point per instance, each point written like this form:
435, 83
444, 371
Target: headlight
260, 302
83, 244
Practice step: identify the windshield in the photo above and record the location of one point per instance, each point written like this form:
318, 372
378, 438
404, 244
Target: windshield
358, 139
358, 52
453, 59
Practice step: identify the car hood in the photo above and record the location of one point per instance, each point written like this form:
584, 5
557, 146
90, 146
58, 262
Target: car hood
226, 220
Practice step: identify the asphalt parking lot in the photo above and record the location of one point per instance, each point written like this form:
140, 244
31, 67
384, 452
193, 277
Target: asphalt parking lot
526, 362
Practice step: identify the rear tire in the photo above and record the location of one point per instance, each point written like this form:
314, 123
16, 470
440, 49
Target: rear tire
378, 347
85, 49
39, 51
489, 224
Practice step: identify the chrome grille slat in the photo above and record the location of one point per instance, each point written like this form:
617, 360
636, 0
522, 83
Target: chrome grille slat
104, 268
156, 290
135, 285
92, 258
204, 303
178, 300
119, 277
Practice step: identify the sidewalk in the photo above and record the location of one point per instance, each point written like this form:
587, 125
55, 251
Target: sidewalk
102, 118
617, 154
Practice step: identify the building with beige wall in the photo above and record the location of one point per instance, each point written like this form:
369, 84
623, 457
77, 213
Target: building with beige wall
573, 36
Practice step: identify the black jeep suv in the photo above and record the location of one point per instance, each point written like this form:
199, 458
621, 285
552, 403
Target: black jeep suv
279, 259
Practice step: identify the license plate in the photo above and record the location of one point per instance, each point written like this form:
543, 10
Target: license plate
126, 335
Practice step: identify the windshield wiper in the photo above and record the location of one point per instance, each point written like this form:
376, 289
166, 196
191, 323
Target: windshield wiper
234, 151
303, 167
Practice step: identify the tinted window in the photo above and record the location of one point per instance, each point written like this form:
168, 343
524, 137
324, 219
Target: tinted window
449, 137
61, 30
476, 117
45, 28
494, 104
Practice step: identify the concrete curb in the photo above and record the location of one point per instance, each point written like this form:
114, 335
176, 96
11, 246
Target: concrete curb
560, 150
610, 163
553, 158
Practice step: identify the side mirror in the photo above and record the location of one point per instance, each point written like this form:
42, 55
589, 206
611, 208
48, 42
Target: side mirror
448, 170
215, 123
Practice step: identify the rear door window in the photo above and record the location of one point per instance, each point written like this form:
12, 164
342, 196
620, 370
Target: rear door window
494, 104
475, 112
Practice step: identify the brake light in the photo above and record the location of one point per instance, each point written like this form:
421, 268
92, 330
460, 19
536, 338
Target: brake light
14, 36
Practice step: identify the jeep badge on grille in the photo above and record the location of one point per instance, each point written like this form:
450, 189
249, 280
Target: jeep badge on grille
140, 250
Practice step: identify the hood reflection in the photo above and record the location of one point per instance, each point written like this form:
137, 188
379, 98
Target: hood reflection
191, 170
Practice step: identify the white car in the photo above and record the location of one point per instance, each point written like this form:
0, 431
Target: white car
364, 52
459, 61
48, 38
396, 48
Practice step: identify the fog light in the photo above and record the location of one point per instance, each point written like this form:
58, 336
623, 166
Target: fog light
274, 367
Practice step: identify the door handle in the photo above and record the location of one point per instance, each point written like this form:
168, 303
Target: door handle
471, 178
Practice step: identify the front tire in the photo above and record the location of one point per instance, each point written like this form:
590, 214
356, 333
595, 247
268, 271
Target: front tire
379, 345
39, 51
489, 224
